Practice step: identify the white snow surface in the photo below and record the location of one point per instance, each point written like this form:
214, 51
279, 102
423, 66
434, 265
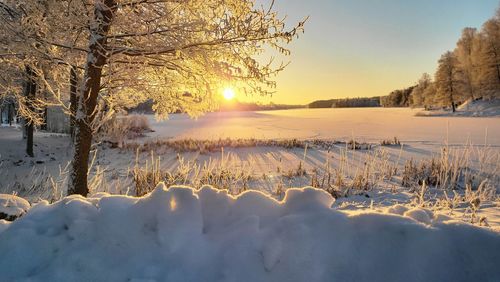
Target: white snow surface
361, 124
481, 108
181, 234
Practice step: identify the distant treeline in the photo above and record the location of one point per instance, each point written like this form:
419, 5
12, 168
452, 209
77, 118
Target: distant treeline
346, 103
242, 106
397, 98
147, 107
470, 72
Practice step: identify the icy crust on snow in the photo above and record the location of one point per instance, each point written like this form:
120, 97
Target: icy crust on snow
181, 234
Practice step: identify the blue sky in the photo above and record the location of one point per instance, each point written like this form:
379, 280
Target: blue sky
361, 48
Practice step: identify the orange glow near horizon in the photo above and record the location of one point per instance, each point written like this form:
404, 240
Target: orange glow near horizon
365, 48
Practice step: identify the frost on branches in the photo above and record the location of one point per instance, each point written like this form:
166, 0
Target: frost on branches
176, 53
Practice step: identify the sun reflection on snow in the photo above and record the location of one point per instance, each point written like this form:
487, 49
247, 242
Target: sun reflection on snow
173, 204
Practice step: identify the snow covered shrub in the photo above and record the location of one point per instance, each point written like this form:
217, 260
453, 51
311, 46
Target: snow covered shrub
299, 171
221, 175
391, 142
12, 207
145, 180
41, 185
210, 146
361, 181
449, 171
118, 129
355, 145
416, 174
454, 169
225, 178
137, 124
114, 131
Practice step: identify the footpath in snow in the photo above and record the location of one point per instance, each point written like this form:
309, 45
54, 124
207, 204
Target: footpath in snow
181, 234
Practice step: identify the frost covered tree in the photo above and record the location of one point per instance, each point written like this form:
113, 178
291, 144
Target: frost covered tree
471, 71
18, 80
448, 79
417, 94
487, 57
464, 52
429, 95
177, 53
35, 70
397, 98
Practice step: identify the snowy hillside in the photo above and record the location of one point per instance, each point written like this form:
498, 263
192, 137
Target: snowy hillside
480, 108
181, 234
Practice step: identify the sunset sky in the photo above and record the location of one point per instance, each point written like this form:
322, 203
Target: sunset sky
369, 48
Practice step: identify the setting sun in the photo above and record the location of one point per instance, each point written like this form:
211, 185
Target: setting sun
228, 94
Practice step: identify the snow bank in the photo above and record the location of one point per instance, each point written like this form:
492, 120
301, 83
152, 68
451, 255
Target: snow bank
180, 234
479, 108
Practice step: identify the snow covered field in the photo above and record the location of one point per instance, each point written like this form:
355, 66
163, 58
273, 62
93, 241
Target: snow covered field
421, 138
376, 230
365, 124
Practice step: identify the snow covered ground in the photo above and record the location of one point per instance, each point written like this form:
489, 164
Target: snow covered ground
272, 169
264, 231
182, 234
364, 124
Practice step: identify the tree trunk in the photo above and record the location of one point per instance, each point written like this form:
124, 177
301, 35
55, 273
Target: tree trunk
29, 139
30, 92
73, 80
471, 85
451, 98
10, 114
87, 100
498, 73
45, 119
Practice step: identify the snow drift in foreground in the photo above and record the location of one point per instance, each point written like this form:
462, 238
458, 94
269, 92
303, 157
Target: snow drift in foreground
180, 234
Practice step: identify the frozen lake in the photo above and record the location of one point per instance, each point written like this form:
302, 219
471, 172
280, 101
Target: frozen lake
364, 124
